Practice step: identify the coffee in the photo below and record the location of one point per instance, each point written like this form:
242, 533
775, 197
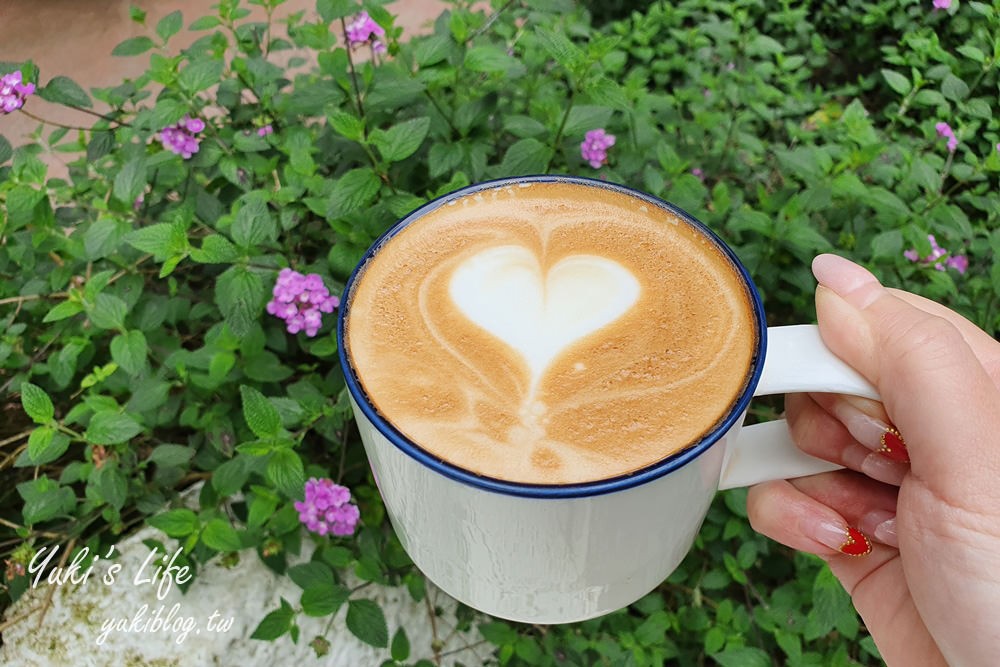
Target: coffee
551, 332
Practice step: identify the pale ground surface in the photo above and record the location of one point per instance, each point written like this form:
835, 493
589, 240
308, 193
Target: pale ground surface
75, 38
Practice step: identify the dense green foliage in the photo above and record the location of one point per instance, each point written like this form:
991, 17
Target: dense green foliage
136, 357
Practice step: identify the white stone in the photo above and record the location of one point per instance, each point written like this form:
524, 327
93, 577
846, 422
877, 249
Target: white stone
246, 593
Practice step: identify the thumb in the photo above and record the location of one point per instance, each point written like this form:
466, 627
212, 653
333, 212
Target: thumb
934, 388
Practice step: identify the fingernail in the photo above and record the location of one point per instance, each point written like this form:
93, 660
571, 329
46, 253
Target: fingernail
882, 526
845, 539
871, 432
874, 465
845, 277
893, 447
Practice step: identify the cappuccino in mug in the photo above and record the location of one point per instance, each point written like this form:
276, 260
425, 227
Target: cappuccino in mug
551, 332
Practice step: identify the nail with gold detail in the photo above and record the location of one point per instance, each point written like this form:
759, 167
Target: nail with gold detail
892, 446
845, 539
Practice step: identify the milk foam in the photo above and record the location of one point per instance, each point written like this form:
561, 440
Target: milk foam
551, 333
503, 290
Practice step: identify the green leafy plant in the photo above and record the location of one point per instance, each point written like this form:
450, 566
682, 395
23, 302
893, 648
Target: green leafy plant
137, 357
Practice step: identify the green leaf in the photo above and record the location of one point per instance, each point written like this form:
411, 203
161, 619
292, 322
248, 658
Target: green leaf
171, 455
352, 191
62, 311
560, 48
260, 415
954, 88
205, 23
527, 156
254, 223
45, 445
170, 25
400, 647
743, 657
230, 477
401, 141
63, 90
498, 632
108, 427
129, 351
331, 10
897, 81
108, 312
44, 499
130, 181
491, 59
200, 75
967, 50
133, 46
162, 240
347, 125
110, 483
285, 472
830, 602
218, 534
367, 622
275, 624
6, 151
311, 574
215, 249
175, 523
324, 599
36, 403
240, 296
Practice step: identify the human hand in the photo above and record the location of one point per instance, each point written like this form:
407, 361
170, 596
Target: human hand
929, 590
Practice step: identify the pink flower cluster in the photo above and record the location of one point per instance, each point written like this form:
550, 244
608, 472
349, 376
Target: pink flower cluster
362, 29
944, 131
13, 92
594, 148
180, 138
327, 508
301, 301
939, 257
941, 4
266, 130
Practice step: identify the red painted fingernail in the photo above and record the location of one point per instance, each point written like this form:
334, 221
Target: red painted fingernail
857, 543
845, 539
893, 447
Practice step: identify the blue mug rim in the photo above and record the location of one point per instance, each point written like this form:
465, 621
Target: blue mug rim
553, 491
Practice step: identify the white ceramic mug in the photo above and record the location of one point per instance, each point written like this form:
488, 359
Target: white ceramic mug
564, 553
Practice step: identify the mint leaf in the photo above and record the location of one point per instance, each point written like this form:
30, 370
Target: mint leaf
240, 295
170, 25
133, 46
45, 444
36, 403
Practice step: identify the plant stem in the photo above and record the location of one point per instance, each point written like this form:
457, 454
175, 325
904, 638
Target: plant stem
559, 132
33, 297
53, 123
15, 438
353, 71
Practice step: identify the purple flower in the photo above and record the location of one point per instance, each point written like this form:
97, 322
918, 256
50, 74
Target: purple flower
362, 29
939, 258
13, 92
944, 130
941, 4
327, 508
301, 301
266, 130
698, 173
595, 145
180, 138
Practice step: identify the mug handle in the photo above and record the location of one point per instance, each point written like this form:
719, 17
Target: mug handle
796, 360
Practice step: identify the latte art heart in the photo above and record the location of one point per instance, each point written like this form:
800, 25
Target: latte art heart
504, 291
